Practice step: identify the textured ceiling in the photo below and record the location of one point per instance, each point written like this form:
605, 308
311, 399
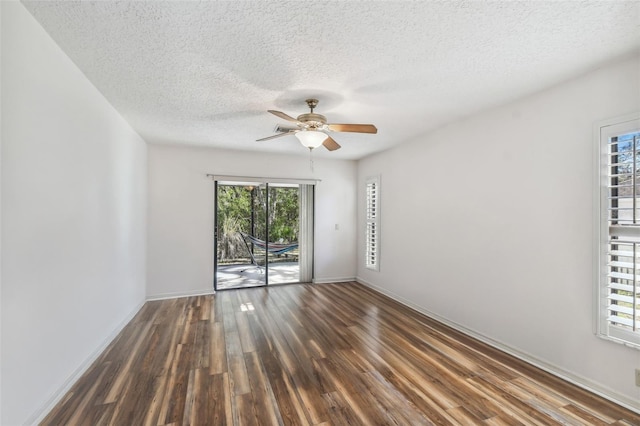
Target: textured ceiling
204, 73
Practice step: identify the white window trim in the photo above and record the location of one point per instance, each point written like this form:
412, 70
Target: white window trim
376, 221
602, 132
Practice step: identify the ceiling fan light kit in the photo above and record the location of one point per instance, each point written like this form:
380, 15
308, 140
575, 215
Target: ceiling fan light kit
312, 128
311, 138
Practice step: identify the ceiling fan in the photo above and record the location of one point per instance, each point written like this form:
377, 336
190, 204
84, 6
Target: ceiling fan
311, 129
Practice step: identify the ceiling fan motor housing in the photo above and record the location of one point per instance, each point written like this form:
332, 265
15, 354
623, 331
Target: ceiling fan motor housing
312, 120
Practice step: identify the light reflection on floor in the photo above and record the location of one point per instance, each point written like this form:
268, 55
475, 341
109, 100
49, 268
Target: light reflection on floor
247, 275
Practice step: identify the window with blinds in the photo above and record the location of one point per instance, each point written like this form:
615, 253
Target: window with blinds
372, 234
619, 287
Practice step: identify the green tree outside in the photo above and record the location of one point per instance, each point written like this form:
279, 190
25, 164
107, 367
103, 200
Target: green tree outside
236, 206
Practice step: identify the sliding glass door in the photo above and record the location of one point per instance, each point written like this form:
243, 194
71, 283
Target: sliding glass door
283, 254
239, 215
260, 228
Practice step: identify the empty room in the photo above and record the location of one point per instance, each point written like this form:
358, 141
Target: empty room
320, 212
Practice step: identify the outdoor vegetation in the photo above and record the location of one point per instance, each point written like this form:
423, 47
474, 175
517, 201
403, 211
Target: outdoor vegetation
243, 209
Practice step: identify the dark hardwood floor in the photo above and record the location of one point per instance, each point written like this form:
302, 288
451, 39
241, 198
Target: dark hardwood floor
336, 354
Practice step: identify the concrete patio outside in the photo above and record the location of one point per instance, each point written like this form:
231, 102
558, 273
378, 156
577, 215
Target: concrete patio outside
249, 275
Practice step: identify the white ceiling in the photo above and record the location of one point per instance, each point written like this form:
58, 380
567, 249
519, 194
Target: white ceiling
204, 73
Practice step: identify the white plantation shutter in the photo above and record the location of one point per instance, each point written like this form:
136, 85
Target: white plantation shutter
372, 234
619, 287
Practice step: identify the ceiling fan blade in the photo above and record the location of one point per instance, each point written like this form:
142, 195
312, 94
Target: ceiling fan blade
282, 115
330, 144
357, 128
279, 135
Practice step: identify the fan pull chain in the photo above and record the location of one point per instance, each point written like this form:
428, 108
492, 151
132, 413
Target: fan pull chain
311, 159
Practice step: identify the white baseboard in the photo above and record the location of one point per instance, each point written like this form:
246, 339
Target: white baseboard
41, 413
570, 377
175, 295
333, 280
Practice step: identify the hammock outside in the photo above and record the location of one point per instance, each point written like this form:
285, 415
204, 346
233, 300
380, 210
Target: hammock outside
273, 248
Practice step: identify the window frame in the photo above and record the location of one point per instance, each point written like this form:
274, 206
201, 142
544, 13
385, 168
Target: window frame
375, 222
603, 131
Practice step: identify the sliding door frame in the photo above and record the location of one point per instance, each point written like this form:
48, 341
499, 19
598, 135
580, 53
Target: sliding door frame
266, 181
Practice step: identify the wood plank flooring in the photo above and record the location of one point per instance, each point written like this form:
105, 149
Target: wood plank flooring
328, 354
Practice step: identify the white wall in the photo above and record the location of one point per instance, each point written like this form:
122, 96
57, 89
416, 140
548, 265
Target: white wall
73, 219
180, 240
488, 224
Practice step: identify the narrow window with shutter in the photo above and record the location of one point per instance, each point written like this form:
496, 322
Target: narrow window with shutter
372, 234
619, 283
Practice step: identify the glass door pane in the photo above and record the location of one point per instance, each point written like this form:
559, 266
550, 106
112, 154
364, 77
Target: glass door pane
240, 234
284, 233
